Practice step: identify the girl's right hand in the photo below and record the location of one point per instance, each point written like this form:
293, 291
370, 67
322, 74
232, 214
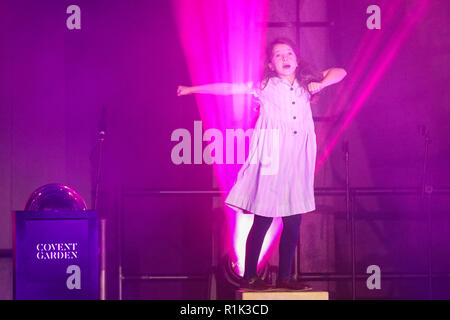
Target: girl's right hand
315, 87
182, 90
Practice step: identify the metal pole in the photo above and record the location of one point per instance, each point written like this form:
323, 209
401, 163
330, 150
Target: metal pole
350, 215
352, 232
119, 236
426, 207
347, 183
103, 259
430, 254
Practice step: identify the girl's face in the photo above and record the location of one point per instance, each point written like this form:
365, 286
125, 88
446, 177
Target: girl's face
284, 61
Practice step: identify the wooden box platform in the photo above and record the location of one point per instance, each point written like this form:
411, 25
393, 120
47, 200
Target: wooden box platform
280, 294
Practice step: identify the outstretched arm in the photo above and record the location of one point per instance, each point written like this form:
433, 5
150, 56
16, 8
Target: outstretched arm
330, 76
215, 88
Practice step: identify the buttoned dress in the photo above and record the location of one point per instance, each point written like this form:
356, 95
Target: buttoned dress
277, 178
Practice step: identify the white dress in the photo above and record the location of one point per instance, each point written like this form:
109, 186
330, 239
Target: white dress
277, 178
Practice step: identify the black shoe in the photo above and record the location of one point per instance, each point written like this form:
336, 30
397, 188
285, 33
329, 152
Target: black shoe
256, 283
292, 284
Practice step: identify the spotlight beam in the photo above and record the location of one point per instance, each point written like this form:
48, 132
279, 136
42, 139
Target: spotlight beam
222, 42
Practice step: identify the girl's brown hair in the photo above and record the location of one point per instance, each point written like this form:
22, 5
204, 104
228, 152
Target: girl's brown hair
305, 73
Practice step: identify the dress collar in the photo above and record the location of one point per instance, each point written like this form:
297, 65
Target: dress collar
278, 80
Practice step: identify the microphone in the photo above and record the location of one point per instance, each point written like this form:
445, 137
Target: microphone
424, 132
102, 125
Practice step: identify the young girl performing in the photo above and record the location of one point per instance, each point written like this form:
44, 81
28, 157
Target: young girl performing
285, 130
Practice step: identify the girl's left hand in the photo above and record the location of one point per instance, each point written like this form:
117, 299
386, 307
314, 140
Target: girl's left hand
315, 87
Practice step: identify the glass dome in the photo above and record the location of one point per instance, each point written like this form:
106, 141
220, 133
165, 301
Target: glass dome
55, 197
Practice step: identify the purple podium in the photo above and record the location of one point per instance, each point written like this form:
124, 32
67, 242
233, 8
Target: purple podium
55, 255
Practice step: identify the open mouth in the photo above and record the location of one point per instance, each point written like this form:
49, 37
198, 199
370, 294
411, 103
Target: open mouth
286, 66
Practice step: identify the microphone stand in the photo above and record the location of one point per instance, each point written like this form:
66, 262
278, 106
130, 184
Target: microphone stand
100, 140
350, 215
426, 191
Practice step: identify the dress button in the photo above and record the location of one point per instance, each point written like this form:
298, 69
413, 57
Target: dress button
295, 117
293, 102
295, 132
292, 89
